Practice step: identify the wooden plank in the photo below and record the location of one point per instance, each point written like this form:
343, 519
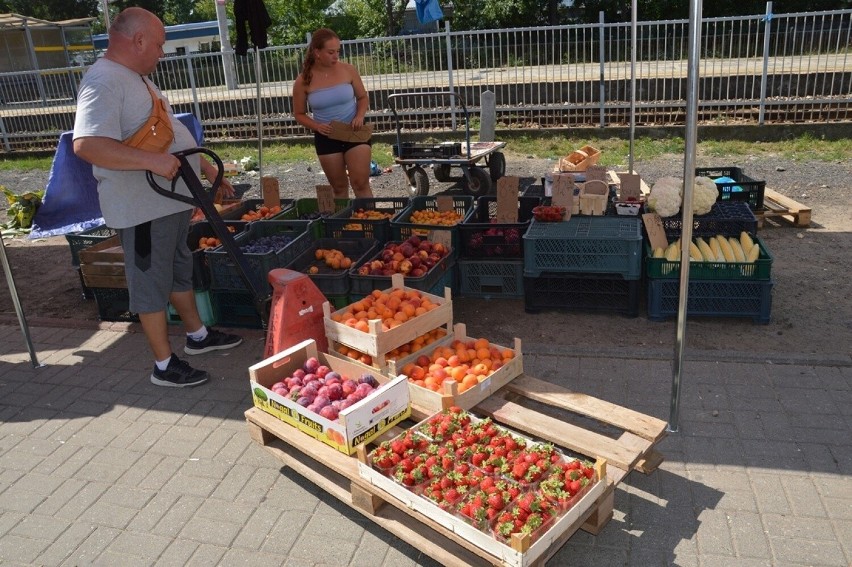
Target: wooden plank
640, 424
778, 205
565, 434
418, 534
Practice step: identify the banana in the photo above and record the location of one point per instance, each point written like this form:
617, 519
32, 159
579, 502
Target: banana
746, 241
739, 254
705, 250
726, 249
754, 253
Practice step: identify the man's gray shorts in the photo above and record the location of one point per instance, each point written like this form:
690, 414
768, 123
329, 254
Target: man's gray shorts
157, 261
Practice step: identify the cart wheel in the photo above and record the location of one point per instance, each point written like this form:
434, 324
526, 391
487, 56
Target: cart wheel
442, 172
497, 165
479, 183
418, 182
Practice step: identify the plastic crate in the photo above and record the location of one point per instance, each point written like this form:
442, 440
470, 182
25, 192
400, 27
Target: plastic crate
660, 268
329, 281
712, 298
728, 218
402, 227
224, 273
114, 304
80, 240
363, 285
482, 238
338, 301
491, 278
448, 279
342, 225
205, 310
254, 204
582, 292
200, 268
307, 209
87, 291
235, 309
413, 150
742, 188
611, 245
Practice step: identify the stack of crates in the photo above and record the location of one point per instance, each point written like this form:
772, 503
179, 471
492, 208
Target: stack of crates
78, 241
365, 218
735, 186
231, 299
588, 263
491, 257
716, 289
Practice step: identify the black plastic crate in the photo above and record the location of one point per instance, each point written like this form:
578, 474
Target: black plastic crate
491, 278
344, 225
728, 218
481, 237
712, 298
200, 267
79, 240
334, 281
307, 209
362, 285
402, 228
114, 304
255, 204
582, 292
414, 150
224, 273
742, 188
87, 291
235, 309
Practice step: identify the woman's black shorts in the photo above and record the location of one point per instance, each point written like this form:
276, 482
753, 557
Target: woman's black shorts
325, 145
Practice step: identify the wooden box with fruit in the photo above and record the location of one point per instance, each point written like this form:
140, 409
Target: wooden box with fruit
387, 319
458, 370
328, 398
502, 491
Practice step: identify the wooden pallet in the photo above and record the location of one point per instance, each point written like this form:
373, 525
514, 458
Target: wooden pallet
628, 445
776, 205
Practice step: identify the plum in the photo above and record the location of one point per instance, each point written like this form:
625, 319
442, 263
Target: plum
329, 412
369, 379
312, 364
335, 392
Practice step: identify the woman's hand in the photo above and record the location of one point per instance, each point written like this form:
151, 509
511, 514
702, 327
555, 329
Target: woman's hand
357, 122
324, 129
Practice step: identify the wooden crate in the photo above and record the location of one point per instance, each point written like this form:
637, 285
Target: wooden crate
436, 401
376, 342
102, 265
338, 475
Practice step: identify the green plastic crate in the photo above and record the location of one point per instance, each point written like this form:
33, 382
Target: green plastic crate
307, 209
660, 268
402, 227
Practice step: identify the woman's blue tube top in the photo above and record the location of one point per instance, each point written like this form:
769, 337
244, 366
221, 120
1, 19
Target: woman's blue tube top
333, 103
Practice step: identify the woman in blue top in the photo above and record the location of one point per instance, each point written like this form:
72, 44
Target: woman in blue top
334, 91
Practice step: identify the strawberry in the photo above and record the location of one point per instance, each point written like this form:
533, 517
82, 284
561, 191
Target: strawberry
495, 501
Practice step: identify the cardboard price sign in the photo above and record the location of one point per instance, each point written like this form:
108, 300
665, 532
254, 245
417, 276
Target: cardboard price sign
596, 173
325, 198
507, 199
563, 192
630, 186
270, 190
655, 230
445, 237
444, 203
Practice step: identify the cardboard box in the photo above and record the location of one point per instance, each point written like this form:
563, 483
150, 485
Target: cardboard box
437, 401
360, 423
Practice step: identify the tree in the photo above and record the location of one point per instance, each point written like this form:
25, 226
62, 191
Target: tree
52, 10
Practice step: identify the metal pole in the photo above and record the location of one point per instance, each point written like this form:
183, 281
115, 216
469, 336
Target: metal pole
601, 56
105, 8
686, 212
632, 83
449, 43
10, 281
259, 116
766, 33
225, 46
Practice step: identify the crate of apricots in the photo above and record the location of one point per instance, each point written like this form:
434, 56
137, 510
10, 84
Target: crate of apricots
252, 210
366, 218
413, 347
386, 319
426, 216
328, 260
458, 370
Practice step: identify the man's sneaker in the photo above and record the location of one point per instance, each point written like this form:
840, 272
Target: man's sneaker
215, 340
178, 374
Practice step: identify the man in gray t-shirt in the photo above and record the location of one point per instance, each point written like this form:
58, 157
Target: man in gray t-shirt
113, 102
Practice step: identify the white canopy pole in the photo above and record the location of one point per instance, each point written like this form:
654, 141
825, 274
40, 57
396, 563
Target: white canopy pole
228, 66
633, 12
10, 280
686, 211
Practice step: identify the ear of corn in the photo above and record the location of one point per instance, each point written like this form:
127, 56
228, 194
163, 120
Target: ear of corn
746, 241
753, 253
659, 252
705, 250
726, 249
671, 254
695, 253
739, 254
717, 250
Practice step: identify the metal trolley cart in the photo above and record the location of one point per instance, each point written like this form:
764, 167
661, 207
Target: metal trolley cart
203, 199
447, 155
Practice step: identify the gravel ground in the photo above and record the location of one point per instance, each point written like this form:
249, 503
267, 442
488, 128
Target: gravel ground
809, 298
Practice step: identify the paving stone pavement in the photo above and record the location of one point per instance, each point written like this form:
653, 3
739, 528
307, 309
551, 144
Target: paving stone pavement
98, 466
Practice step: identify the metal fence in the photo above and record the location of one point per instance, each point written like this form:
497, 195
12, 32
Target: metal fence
763, 68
